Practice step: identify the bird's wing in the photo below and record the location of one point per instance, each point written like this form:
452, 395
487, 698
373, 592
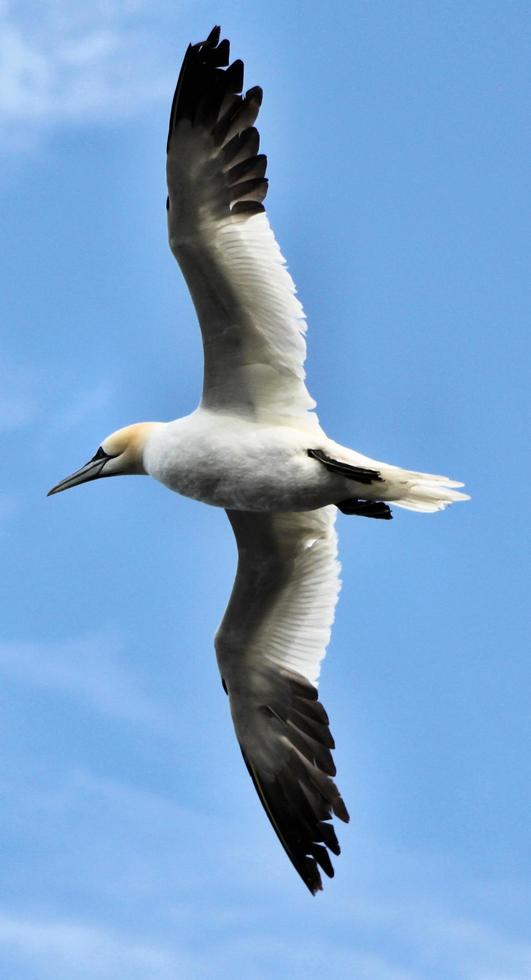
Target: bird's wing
269, 648
251, 321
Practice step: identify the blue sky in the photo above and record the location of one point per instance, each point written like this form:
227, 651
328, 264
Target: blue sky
132, 842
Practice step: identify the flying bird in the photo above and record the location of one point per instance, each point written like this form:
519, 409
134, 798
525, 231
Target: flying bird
254, 447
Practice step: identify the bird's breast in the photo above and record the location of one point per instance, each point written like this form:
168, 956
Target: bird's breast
237, 465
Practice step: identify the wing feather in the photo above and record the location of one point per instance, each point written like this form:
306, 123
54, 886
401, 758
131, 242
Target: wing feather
251, 320
269, 648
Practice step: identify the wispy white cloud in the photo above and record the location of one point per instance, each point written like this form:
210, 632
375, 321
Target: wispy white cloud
59, 948
153, 840
9, 506
89, 670
16, 411
443, 943
70, 61
118, 798
65, 948
18, 397
69, 949
198, 917
25, 395
87, 403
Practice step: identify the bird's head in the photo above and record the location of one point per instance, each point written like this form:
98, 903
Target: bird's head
119, 454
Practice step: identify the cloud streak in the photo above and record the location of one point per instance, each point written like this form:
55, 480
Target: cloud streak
59, 948
73, 62
69, 949
18, 398
87, 669
86, 404
122, 845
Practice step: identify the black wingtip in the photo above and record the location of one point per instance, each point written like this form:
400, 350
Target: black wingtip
255, 94
208, 96
313, 881
299, 797
340, 810
213, 38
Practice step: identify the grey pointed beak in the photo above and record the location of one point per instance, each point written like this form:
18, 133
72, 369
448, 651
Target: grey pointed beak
90, 471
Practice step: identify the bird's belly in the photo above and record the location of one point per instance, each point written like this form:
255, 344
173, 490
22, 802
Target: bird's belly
253, 470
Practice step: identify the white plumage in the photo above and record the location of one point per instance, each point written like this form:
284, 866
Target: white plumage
255, 447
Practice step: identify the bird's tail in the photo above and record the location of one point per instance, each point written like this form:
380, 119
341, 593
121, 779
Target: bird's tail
423, 492
378, 481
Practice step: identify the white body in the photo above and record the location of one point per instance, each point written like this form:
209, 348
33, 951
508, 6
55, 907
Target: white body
240, 464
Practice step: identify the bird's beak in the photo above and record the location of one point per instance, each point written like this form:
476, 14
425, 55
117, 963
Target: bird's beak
90, 471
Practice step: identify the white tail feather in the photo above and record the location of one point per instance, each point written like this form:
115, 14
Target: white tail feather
429, 494
424, 492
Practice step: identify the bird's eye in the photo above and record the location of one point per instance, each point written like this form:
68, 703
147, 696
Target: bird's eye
101, 454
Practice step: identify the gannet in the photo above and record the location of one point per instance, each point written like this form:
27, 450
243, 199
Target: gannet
254, 447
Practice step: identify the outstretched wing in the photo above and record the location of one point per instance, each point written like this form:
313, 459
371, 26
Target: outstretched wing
269, 648
251, 321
